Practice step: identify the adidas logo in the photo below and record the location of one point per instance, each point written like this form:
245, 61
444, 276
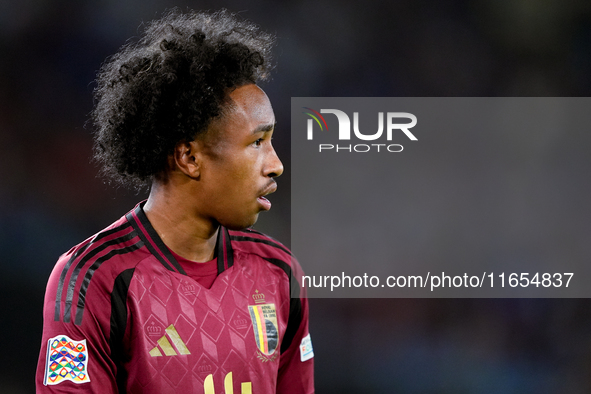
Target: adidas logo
166, 346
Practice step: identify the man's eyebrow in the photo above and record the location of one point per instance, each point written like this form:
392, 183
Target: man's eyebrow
264, 128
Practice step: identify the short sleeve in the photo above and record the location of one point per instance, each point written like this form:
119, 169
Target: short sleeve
296, 367
75, 350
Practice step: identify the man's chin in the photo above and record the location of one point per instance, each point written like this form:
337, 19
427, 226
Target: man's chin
242, 224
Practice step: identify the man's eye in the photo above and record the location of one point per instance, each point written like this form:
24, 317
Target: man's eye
258, 142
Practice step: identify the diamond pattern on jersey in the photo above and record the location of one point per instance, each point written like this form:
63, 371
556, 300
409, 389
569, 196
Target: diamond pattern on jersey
161, 290
271, 283
241, 283
237, 343
139, 290
174, 371
148, 373
212, 326
209, 347
233, 358
183, 325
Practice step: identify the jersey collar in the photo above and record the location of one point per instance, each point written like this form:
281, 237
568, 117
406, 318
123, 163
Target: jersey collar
138, 219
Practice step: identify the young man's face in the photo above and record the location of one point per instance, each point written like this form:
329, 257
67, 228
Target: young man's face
239, 162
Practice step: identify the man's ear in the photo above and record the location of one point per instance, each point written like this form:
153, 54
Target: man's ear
188, 158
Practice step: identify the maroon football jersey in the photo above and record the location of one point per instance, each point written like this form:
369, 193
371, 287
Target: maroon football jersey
122, 315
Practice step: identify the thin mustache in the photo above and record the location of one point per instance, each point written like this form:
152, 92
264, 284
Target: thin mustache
270, 188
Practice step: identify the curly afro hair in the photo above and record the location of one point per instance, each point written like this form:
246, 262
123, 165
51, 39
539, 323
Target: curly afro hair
169, 86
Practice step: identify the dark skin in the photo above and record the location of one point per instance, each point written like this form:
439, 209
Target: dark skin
219, 178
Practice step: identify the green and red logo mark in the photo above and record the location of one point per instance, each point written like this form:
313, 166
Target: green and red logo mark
315, 117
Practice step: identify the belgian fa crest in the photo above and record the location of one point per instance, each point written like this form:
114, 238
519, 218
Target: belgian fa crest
264, 324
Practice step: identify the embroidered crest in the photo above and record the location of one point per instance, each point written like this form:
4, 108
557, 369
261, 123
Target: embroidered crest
264, 324
66, 360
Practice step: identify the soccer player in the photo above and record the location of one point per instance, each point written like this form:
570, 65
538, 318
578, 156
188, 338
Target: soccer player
179, 296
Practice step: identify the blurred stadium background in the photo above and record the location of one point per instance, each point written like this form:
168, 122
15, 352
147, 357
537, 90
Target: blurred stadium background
51, 199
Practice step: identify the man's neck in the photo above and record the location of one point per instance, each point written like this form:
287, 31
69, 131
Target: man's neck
182, 230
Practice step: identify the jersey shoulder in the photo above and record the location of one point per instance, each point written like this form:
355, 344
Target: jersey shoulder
105, 232
92, 267
111, 241
266, 247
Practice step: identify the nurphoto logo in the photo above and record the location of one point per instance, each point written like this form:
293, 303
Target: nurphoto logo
392, 121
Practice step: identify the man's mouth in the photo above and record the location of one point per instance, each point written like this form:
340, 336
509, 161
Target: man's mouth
264, 202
